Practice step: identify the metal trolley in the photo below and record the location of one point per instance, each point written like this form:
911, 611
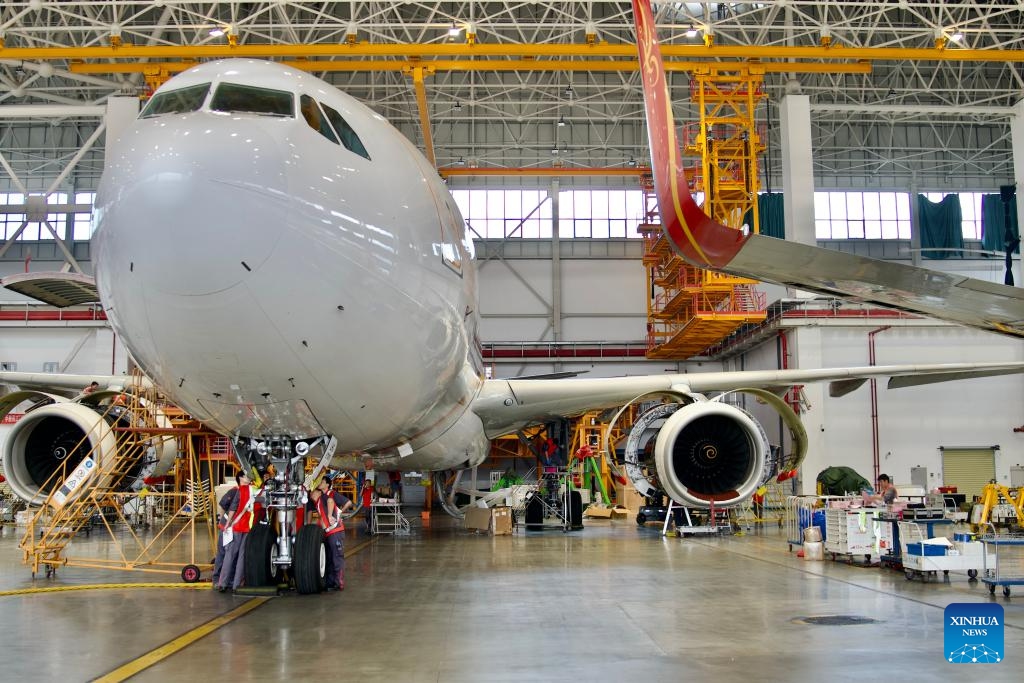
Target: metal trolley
1007, 570
799, 515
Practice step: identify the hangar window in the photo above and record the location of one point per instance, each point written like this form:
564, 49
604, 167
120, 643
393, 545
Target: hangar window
600, 214
14, 217
348, 136
248, 99
862, 215
883, 215
176, 101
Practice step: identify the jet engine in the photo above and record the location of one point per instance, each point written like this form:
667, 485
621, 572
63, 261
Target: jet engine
699, 452
57, 434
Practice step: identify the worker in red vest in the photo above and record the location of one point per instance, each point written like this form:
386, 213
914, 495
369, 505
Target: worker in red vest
236, 528
368, 494
330, 506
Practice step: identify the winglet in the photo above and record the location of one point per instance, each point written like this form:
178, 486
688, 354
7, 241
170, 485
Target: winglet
700, 240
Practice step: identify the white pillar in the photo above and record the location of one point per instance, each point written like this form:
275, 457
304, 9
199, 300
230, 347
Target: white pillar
1017, 145
806, 351
797, 168
121, 112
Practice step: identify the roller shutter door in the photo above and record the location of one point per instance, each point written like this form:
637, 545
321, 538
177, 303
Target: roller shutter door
968, 469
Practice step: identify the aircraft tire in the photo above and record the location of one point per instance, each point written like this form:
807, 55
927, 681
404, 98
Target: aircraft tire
259, 546
575, 510
310, 560
534, 515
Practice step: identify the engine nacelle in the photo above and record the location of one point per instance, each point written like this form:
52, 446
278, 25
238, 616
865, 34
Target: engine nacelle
703, 452
59, 436
711, 452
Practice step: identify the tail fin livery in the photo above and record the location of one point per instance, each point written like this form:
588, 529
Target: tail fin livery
702, 241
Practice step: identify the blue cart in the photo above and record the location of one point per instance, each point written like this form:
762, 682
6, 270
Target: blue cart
1008, 566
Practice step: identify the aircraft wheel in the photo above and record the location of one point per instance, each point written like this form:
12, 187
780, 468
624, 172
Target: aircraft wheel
641, 518
260, 552
909, 574
1006, 591
575, 510
190, 573
534, 515
972, 573
310, 560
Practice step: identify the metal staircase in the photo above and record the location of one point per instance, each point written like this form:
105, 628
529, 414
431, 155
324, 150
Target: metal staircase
68, 510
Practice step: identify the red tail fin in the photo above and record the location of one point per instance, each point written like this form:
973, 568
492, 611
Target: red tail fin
696, 237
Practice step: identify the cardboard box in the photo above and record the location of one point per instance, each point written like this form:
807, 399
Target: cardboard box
598, 511
478, 519
501, 521
626, 496
494, 521
619, 512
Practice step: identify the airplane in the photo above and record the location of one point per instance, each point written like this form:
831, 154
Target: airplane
289, 269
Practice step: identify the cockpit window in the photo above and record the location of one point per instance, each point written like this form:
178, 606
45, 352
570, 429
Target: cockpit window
176, 101
345, 132
315, 118
232, 97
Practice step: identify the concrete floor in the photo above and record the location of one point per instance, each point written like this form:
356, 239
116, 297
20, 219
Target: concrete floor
612, 602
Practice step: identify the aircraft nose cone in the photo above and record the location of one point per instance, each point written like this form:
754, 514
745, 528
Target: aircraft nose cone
190, 206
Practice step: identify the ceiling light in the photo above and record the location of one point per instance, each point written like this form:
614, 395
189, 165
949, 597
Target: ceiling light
632, 162
691, 32
453, 31
568, 90
561, 121
956, 37
554, 150
461, 161
891, 93
216, 32
458, 106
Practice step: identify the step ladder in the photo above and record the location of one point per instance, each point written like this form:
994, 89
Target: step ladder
58, 521
688, 528
388, 518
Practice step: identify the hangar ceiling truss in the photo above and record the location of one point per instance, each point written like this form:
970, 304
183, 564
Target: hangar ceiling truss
899, 89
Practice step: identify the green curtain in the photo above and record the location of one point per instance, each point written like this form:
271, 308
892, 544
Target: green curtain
941, 227
771, 218
992, 223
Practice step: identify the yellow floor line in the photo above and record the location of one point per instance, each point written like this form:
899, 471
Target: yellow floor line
154, 656
105, 586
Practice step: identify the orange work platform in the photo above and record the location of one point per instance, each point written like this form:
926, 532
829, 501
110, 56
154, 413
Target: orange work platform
690, 309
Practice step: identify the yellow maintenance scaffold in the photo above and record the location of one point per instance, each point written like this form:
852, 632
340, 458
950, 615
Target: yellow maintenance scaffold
104, 491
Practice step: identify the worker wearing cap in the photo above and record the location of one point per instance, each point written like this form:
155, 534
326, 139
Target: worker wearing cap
227, 502
330, 506
240, 519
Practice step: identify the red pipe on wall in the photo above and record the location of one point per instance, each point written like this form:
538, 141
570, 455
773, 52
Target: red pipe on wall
875, 449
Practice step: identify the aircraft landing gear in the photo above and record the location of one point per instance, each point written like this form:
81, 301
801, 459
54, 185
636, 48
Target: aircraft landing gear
275, 547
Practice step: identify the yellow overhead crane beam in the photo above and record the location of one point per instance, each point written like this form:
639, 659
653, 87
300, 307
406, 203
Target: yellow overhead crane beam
434, 65
449, 171
829, 53
421, 104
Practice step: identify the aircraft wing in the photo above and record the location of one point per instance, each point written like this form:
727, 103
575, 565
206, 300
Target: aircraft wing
506, 405
705, 243
65, 384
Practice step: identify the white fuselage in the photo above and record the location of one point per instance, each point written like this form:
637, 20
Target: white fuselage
273, 282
